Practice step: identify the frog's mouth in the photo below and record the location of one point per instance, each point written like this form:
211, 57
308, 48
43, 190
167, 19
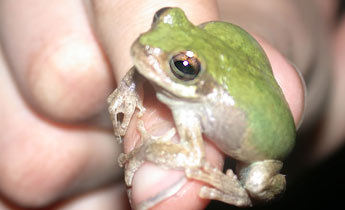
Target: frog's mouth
153, 64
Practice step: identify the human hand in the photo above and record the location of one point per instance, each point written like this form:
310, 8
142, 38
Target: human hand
80, 135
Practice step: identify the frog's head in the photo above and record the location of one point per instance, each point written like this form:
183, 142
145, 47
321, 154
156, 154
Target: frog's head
174, 55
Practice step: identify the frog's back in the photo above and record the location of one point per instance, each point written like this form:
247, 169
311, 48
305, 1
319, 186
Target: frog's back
250, 81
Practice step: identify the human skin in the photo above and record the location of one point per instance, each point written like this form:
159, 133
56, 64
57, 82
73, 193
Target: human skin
64, 58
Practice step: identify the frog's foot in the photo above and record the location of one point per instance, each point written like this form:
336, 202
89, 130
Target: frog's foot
133, 160
225, 187
122, 104
262, 179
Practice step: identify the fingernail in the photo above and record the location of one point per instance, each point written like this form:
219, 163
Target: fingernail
153, 184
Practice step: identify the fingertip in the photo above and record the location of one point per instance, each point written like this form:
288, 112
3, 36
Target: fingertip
68, 79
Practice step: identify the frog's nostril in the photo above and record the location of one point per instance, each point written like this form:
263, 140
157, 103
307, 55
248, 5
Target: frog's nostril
159, 13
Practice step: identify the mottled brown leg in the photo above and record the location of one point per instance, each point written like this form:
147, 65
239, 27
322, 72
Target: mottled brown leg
123, 102
225, 187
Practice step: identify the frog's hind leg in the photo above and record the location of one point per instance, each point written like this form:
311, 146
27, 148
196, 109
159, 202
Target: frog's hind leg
262, 179
225, 187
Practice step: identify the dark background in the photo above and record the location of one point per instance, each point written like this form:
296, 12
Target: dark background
320, 187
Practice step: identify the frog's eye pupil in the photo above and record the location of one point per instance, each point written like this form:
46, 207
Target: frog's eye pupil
184, 67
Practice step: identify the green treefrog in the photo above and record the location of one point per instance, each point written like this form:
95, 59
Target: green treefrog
217, 82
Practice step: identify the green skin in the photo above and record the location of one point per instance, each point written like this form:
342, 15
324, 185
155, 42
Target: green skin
236, 62
234, 100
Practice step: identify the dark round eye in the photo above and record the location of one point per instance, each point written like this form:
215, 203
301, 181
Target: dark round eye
185, 66
159, 13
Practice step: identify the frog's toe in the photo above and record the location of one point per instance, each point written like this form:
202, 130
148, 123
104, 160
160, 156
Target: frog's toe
122, 159
141, 108
215, 194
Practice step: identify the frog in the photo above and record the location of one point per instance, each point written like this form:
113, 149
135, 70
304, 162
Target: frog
218, 83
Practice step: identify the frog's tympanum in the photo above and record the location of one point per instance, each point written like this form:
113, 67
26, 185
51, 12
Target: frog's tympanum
218, 83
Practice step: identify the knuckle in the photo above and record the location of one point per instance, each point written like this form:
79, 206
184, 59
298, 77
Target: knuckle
72, 74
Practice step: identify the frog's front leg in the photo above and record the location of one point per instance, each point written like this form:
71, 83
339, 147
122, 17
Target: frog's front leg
160, 150
123, 102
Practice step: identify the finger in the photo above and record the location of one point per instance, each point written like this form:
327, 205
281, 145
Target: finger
54, 57
119, 23
42, 161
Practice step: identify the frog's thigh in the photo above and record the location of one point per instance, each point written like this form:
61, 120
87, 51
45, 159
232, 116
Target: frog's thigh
262, 179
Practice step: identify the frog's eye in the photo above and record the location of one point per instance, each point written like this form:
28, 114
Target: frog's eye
159, 13
185, 66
